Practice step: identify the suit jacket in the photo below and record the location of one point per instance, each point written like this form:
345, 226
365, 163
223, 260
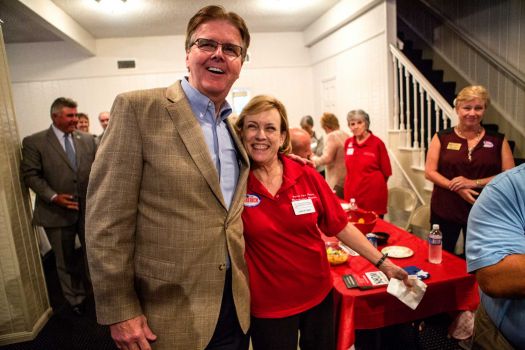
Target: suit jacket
45, 169
158, 230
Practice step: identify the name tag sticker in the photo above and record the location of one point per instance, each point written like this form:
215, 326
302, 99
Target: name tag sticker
252, 200
303, 206
454, 146
350, 151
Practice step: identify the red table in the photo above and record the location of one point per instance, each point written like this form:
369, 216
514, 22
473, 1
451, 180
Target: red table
450, 288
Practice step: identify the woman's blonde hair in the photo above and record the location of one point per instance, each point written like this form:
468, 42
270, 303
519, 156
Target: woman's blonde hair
329, 120
471, 92
263, 103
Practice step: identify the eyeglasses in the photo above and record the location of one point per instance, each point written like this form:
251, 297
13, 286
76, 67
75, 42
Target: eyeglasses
208, 45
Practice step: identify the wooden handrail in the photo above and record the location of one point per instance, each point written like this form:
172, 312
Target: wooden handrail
425, 84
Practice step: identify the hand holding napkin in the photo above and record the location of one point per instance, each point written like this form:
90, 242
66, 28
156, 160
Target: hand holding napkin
409, 296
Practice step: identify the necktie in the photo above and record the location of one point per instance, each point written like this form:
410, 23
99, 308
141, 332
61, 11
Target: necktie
70, 152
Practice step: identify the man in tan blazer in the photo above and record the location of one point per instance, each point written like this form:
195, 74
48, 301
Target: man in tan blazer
60, 185
165, 198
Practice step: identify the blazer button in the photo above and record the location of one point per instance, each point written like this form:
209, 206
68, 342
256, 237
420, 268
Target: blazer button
222, 267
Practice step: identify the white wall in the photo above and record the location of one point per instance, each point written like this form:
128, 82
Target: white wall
356, 56
279, 65
350, 61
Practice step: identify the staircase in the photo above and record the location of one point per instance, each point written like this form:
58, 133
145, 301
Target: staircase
447, 89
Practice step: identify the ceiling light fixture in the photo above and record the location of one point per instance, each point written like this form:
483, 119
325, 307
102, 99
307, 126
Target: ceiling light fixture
111, 6
287, 5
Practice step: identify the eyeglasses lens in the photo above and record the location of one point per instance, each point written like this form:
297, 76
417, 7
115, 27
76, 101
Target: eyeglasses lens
209, 45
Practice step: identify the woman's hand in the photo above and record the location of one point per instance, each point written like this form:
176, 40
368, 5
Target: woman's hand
393, 271
461, 182
468, 194
300, 160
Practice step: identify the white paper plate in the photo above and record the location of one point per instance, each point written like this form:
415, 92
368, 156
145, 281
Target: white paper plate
397, 251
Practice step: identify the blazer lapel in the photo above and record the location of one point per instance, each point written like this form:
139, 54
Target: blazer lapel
79, 147
191, 135
53, 141
244, 164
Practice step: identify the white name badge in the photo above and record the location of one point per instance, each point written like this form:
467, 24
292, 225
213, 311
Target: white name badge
303, 206
349, 151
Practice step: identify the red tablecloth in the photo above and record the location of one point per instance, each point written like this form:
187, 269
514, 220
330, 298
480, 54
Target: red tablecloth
450, 288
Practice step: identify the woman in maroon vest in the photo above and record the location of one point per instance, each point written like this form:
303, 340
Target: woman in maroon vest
461, 160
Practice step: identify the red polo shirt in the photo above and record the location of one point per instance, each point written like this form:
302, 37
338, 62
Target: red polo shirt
286, 256
367, 170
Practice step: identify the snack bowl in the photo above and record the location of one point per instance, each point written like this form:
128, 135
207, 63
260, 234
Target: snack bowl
362, 219
336, 255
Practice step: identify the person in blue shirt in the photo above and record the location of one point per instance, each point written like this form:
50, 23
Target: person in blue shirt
495, 252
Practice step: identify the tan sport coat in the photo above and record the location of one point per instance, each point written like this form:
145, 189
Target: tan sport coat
158, 231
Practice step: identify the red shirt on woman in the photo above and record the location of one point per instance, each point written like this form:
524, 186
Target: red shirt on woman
367, 170
286, 256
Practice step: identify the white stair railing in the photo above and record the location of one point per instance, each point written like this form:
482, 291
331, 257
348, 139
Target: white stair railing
419, 109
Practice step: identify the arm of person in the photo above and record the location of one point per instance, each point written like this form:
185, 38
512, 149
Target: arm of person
320, 146
507, 159
431, 165
66, 200
131, 333
32, 174
432, 174
506, 279
353, 238
460, 182
111, 215
468, 194
329, 151
495, 248
31, 169
384, 162
300, 159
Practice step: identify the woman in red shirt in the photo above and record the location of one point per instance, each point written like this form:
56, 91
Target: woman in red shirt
286, 205
367, 165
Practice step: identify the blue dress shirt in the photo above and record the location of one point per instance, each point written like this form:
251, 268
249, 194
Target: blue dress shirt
217, 135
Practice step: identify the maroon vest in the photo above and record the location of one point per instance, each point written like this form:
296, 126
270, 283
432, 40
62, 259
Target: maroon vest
454, 161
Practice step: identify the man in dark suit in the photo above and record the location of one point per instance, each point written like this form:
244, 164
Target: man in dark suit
56, 164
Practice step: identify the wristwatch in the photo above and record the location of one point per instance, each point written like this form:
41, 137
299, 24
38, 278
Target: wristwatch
382, 260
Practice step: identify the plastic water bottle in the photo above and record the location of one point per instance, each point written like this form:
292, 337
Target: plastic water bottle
435, 245
353, 204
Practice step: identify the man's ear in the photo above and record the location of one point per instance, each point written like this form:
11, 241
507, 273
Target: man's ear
187, 59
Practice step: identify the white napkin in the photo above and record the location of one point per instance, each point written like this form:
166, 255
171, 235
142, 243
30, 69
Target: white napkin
409, 296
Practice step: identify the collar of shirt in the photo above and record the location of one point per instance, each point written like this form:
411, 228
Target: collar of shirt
201, 105
60, 136
217, 137
292, 171
364, 143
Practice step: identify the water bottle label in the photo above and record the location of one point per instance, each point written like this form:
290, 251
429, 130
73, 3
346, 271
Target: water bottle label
434, 241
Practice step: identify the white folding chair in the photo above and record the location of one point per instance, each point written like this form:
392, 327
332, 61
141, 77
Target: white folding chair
401, 204
419, 224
